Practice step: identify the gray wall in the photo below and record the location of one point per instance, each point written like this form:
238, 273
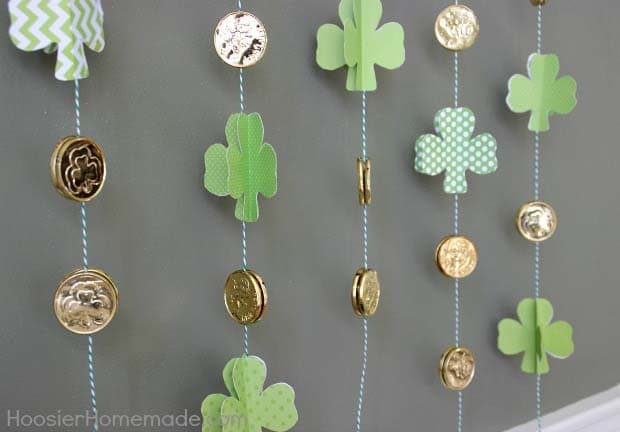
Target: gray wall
158, 96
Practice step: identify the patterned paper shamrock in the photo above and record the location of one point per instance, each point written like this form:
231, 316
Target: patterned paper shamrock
542, 93
244, 169
535, 336
249, 408
62, 25
454, 150
360, 45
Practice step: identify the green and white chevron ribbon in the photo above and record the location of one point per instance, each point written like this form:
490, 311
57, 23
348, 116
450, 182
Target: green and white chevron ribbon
64, 26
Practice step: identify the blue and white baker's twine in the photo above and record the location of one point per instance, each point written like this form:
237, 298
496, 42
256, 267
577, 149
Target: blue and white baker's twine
536, 173
360, 396
84, 240
244, 239
457, 286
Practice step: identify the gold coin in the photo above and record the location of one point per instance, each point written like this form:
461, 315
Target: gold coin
536, 221
240, 39
363, 181
456, 256
245, 296
366, 292
78, 168
456, 368
456, 27
85, 301
538, 2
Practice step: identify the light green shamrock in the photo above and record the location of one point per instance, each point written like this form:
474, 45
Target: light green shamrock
454, 150
244, 169
64, 26
360, 45
542, 93
535, 336
249, 408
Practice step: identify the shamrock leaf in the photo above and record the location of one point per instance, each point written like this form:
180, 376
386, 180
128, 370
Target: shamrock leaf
62, 25
535, 336
454, 150
542, 93
245, 168
360, 45
249, 408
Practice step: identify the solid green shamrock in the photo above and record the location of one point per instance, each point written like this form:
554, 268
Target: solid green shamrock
542, 93
249, 408
535, 336
360, 46
454, 150
244, 169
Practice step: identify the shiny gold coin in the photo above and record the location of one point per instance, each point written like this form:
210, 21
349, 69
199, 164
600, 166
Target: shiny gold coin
456, 368
245, 296
456, 256
240, 39
85, 301
363, 181
78, 168
366, 292
456, 27
538, 2
536, 221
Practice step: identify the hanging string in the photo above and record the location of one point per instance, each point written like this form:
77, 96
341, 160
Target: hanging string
360, 397
457, 287
244, 240
84, 235
536, 173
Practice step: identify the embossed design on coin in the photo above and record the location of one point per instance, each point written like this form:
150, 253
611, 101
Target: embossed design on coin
240, 39
536, 221
85, 301
77, 168
366, 292
456, 27
245, 296
456, 368
456, 256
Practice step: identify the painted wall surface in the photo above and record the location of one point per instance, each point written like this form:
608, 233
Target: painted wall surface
158, 96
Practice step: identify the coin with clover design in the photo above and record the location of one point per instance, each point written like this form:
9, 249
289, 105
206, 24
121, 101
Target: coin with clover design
456, 368
86, 301
78, 168
245, 296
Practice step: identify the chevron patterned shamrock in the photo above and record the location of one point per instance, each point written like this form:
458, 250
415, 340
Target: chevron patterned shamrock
535, 336
244, 169
454, 150
542, 93
360, 46
249, 408
59, 25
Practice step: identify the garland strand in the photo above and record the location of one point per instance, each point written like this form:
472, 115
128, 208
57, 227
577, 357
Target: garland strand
537, 289
360, 397
84, 235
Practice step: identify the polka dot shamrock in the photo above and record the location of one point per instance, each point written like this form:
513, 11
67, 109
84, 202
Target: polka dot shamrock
535, 336
249, 408
244, 169
454, 151
542, 93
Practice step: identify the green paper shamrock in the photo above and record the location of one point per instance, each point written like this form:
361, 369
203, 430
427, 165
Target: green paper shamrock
360, 45
542, 93
535, 336
249, 408
64, 26
244, 169
454, 150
